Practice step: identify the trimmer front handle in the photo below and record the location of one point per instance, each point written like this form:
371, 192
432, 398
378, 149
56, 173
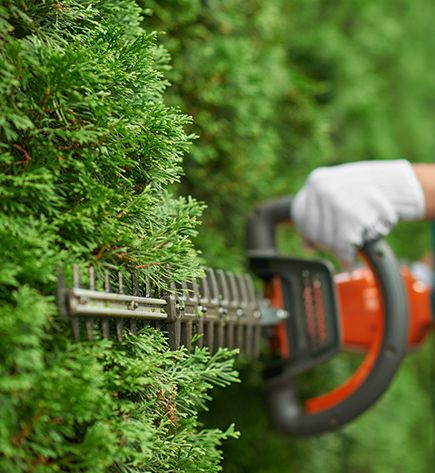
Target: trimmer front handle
306, 290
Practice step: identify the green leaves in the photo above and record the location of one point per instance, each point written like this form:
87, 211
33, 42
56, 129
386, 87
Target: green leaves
93, 136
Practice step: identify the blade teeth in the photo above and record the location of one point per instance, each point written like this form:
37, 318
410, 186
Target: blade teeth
105, 323
132, 322
223, 286
190, 293
92, 278
105, 326
90, 321
119, 324
152, 291
221, 308
243, 290
186, 335
250, 305
234, 303
210, 336
213, 325
147, 287
135, 291
195, 289
229, 338
223, 297
197, 285
174, 334
107, 285
212, 281
135, 285
133, 326
120, 283
76, 276
252, 297
192, 300
174, 323
234, 290
89, 329
207, 325
204, 289
241, 329
75, 321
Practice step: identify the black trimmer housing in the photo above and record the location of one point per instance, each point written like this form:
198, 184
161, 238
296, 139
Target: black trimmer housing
308, 297
313, 328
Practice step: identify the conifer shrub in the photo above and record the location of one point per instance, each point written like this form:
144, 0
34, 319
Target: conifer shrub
88, 149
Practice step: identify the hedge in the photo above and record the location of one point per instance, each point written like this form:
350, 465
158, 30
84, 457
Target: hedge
88, 151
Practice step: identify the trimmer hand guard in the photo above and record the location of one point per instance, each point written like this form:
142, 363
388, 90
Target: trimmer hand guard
306, 290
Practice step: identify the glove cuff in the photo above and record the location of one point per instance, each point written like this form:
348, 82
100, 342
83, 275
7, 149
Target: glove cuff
404, 190
398, 182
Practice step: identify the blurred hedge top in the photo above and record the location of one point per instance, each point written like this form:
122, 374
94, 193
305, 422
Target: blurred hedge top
279, 88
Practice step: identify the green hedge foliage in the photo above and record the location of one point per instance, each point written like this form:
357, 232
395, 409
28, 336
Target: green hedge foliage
88, 149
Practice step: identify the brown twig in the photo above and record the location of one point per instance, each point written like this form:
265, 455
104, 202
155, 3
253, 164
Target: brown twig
169, 405
27, 157
153, 263
101, 252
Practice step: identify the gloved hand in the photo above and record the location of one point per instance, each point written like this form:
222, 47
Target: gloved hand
341, 207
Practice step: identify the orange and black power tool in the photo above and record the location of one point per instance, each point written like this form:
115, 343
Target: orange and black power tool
312, 314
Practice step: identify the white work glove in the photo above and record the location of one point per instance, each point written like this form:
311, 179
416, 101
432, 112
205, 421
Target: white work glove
342, 207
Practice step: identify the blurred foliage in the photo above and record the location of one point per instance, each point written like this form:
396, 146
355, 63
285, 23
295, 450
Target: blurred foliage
397, 434
276, 89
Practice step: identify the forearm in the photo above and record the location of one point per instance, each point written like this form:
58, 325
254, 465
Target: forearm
426, 175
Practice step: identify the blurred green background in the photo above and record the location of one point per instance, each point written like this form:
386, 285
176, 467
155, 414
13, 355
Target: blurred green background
276, 89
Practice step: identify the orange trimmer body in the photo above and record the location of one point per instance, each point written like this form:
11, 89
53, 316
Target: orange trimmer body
361, 308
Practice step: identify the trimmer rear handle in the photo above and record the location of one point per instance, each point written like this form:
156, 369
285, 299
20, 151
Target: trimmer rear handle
262, 225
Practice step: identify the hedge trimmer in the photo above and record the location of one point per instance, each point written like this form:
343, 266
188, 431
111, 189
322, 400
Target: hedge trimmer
306, 314
379, 310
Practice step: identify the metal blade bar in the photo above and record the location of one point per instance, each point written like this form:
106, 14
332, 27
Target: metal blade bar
219, 310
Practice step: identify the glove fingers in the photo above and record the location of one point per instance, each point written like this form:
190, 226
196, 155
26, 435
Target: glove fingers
306, 215
384, 219
342, 224
345, 230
